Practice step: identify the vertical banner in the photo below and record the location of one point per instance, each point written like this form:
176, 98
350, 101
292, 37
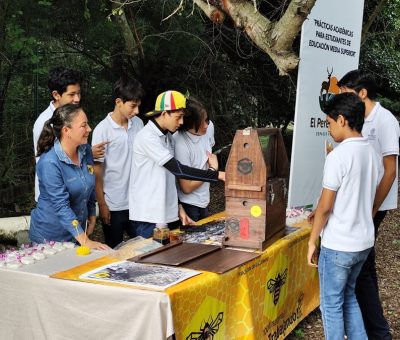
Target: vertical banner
330, 47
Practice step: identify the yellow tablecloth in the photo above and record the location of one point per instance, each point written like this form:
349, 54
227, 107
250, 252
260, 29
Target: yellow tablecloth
263, 299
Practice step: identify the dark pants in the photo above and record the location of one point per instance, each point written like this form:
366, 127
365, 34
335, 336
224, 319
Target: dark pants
367, 293
114, 232
195, 213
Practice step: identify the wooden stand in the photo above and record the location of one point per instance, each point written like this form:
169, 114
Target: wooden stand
256, 189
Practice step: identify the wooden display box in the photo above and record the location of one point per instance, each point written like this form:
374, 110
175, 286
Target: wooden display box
256, 189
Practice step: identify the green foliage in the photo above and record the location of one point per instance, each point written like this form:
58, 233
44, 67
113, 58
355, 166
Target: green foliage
238, 83
299, 334
380, 54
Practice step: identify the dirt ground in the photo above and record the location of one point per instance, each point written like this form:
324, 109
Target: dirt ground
388, 267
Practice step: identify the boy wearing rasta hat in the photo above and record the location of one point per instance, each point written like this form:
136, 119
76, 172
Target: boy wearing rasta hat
153, 195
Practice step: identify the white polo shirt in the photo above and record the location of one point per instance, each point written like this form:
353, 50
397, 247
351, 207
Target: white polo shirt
353, 169
382, 130
117, 160
37, 130
152, 189
191, 150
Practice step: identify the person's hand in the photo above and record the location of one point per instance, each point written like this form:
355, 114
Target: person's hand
98, 150
185, 219
105, 214
312, 255
221, 175
96, 245
212, 160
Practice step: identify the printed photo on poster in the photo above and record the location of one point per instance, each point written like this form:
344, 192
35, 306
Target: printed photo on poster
139, 275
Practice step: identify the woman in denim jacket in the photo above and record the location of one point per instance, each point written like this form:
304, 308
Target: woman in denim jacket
66, 181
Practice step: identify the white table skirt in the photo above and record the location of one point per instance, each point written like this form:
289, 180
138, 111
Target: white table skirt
35, 306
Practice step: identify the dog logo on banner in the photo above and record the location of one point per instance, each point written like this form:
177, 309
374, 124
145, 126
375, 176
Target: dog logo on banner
274, 285
209, 329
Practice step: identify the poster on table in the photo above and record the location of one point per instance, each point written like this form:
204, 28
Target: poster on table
139, 275
330, 47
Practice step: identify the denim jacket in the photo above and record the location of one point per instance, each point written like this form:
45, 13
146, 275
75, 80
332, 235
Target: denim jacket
67, 195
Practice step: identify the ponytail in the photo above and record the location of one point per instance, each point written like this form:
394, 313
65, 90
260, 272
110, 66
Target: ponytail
46, 139
63, 116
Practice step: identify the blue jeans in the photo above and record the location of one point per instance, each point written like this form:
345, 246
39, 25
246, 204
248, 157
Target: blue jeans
341, 315
144, 229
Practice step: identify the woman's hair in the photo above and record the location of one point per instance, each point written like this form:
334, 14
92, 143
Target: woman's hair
196, 113
63, 116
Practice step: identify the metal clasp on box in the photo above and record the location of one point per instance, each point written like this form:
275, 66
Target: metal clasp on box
271, 195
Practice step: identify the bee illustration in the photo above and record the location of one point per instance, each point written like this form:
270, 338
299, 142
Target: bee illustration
209, 329
274, 285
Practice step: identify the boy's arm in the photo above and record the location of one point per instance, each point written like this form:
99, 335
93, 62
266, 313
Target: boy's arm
185, 172
188, 186
103, 208
324, 209
389, 175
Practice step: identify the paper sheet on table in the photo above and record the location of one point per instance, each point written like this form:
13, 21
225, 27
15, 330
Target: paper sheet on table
140, 275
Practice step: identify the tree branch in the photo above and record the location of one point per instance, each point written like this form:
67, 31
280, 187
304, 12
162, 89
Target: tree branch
125, 30
135, 32
212, 12
274, 38
289, 25
86, 53
371, 19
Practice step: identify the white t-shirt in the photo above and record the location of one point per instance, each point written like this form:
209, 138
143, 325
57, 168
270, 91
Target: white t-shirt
117, 160
152, 189
191, 150
382, 130
37, 130
354, 170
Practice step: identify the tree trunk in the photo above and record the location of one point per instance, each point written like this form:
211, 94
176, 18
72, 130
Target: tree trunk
371, 19
274, 38
126, 31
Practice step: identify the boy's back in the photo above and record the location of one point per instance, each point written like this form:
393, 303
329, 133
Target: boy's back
353, 169
152, 189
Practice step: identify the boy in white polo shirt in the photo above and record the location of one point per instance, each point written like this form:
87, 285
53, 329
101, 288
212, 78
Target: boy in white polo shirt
153, 195
65, 88
344, 218
381, 129
193, 142
120, 128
